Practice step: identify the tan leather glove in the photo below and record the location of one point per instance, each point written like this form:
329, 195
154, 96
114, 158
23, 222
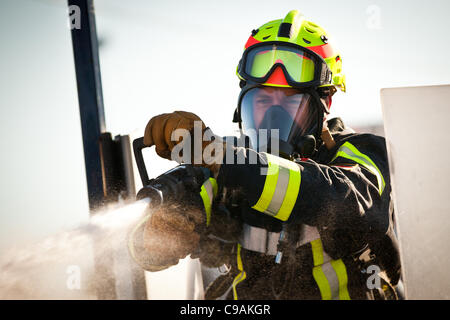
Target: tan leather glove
159, 129
166, 235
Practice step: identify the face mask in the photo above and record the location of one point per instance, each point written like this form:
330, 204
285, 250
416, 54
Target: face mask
284, 116
276, 117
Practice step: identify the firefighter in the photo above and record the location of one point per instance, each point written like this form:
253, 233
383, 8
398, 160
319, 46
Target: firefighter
302, 209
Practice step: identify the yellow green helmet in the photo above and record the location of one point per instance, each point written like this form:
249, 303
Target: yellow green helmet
291, 52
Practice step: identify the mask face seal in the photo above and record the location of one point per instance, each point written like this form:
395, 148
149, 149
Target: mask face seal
283, 116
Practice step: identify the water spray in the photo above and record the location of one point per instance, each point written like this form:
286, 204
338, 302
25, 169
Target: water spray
66, 265
62, 266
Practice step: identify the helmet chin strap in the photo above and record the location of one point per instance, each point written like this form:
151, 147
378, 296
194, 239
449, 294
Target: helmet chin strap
327, 138
322, 109
325, 135
307, 145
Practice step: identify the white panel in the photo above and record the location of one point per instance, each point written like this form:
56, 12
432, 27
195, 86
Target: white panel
180, 282
416, 123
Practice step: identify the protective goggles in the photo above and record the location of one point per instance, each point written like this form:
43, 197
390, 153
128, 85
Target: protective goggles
301, 66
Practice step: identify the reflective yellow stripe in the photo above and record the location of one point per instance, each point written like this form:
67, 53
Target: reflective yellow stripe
349, 151
318, 274
241, 276
208, 191
332, 283
269, 188
281, 188
291, 195
322, 283
341, 272
317, 251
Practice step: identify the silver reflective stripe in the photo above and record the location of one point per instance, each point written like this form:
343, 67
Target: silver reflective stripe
254, 238
281, 187
330, 275
325, 271
259, 240
349, 151
280, 192
209, 190
332, 278
307, 234
272, 243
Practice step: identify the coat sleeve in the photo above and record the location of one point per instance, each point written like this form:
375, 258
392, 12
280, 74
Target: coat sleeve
347, 199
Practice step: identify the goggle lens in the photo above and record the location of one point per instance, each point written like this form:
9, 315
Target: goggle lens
299, 64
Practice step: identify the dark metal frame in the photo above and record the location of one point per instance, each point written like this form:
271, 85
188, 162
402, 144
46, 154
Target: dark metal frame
108, 162
90, 98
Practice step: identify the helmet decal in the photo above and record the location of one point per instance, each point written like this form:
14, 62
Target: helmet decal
251, 41
324, 50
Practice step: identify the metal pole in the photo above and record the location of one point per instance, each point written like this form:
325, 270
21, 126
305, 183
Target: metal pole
90, 99
109, 170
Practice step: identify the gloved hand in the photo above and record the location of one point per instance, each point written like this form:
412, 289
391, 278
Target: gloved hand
172, 230
216, 247
213, 253
159, 131
166, 235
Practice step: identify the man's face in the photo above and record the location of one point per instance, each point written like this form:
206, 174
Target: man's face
293, 102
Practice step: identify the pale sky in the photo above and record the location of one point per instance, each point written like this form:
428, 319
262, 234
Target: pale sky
160, 56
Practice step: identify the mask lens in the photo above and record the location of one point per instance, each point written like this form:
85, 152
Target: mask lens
285, 110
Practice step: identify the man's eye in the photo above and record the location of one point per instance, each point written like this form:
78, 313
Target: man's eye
262, 100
